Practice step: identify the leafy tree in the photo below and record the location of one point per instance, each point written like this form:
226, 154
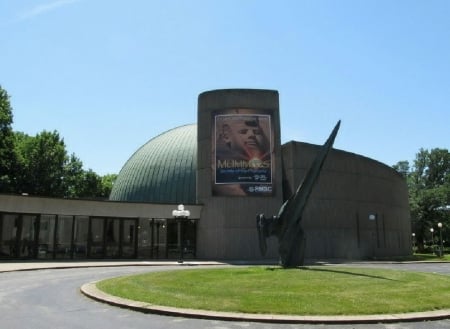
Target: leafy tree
39, 165
429, 193
91, 185
46, 170
402, 167
22, 145
7, 155
107, 184
42, 164
73, 177
80, 183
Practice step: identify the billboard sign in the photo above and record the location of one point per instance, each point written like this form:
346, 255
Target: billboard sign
242, 153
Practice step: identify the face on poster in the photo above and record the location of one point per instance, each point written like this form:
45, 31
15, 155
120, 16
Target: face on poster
243, 146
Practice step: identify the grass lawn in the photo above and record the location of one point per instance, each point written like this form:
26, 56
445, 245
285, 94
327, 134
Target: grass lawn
419, 257
431, 257
315, 290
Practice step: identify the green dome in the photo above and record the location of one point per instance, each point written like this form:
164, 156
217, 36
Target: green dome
162, 171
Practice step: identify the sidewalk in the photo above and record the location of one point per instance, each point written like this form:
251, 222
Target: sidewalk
10, 266
29, 265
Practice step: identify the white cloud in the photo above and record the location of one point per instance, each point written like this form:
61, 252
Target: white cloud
45, 8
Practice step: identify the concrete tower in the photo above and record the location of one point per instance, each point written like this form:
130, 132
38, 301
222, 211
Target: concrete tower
238, 170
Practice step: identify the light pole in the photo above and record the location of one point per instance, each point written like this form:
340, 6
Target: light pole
180, 214
440, 238
432, 240
414, 242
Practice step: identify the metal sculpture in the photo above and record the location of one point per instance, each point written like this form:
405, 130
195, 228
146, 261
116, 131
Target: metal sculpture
287, 224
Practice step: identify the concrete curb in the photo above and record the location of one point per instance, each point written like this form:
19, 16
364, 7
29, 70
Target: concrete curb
36, 266
90, 290
12, 266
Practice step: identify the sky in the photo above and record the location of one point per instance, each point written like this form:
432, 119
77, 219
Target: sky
110, 75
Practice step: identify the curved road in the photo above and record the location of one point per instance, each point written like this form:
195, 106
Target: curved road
51, 298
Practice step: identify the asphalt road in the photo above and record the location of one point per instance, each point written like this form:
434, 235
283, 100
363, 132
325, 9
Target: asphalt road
51, 299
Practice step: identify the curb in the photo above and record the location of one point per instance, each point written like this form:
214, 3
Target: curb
22, 267
90, 290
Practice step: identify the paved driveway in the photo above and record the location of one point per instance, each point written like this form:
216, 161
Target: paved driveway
50, 298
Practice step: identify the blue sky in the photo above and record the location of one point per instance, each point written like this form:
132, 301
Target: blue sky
109, 75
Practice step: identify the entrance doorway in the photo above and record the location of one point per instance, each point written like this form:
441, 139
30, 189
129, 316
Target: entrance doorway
181, 238
162, 238
112, 238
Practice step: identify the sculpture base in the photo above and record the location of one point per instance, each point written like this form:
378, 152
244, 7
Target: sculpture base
296, 255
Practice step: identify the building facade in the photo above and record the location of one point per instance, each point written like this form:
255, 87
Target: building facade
225, 169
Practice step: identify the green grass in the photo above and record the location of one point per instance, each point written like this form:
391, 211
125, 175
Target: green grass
312, 290
432, 257
417, 257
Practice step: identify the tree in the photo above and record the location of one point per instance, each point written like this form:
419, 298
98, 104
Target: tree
45, 169
42, 164
429, 192
7, 155
80, 183
22, 144
39, 165
107, 184
91, 185
73, 176
402, 167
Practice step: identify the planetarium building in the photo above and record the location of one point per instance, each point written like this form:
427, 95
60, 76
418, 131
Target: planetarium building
224, 170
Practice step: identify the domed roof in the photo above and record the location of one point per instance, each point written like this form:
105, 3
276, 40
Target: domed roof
162, 171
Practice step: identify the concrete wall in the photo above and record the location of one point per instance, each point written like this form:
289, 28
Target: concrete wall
41, 205
227, 228
350, 188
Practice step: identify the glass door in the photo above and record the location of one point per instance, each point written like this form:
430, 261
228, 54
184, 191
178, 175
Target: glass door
64, 237
46, 241
80, 237
172, 239
181, 238
129, 232
96, 238
189, 238
8, 235
27, 240
112, 238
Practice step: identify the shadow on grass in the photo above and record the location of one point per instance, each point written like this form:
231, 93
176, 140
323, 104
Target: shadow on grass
329, 270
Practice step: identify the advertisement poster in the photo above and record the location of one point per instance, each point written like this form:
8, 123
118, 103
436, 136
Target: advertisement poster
242, 153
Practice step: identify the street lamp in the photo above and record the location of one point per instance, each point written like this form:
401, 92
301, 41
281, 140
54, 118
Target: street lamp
414, 242
432, 240
180, 214
440, 238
